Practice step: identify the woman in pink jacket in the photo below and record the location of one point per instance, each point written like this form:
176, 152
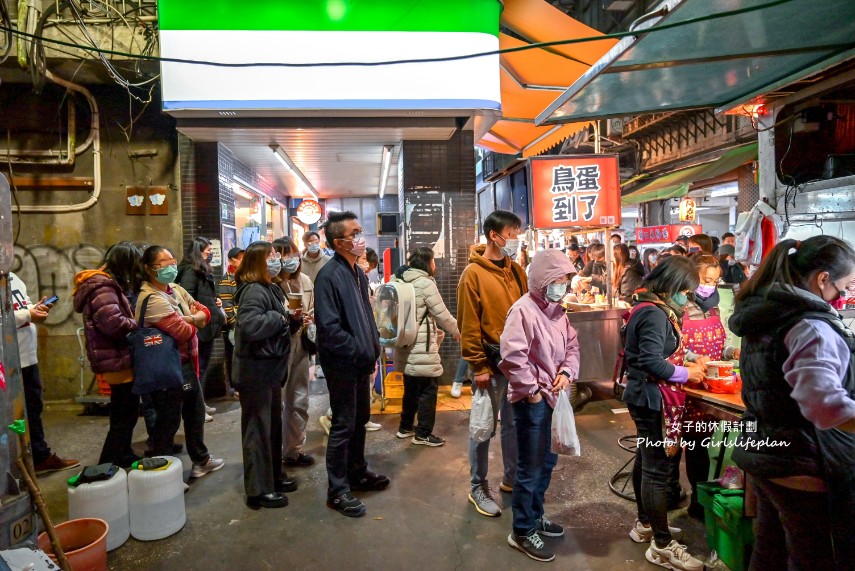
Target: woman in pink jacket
540, 357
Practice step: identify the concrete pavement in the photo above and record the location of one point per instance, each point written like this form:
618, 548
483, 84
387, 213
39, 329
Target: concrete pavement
423, 521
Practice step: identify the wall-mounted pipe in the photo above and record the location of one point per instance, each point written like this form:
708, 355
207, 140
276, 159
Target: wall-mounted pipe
95, 136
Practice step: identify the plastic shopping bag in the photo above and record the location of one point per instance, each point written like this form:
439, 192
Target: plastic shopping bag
565, 440
481, 416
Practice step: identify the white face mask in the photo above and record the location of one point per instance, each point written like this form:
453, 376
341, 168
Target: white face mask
510, 248
556, 292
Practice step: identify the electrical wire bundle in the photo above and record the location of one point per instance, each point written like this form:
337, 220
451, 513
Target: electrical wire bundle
101, 10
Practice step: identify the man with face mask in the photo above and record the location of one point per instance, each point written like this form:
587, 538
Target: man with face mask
348, 347
314, 257
489, 286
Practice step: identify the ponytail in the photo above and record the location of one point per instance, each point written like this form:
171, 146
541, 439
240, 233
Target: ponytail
792, 262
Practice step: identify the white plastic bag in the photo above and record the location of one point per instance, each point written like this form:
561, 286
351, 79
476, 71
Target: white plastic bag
565, 440
481, 416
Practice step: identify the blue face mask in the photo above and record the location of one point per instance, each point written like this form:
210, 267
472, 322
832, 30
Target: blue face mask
167, 274
556, 292
314, 248
290, 265
274, 266
679, 299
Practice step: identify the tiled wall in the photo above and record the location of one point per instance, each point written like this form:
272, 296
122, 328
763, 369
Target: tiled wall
207, 173
437, 203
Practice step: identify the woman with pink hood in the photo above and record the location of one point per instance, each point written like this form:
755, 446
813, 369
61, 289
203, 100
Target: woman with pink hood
540, 357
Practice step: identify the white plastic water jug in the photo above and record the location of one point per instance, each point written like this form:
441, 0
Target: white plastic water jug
156, 500
107, 500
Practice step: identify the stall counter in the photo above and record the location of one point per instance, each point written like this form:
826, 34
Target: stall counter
599, 342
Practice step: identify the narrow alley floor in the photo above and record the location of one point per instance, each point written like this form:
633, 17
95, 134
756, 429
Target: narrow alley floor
422, 521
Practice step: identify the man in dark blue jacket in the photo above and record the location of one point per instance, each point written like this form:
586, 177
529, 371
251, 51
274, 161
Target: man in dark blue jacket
348, 347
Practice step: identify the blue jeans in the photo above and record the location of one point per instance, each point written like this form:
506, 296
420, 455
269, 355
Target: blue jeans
462, 373
479, 452
535, 461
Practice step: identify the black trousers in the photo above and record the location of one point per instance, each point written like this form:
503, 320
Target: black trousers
124, 412
171, 406
35, 406
229, 350
793, 530
261, 435
419, 396
650, 472
350, 401
205, 350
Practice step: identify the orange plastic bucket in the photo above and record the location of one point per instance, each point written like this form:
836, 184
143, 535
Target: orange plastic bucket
84, 542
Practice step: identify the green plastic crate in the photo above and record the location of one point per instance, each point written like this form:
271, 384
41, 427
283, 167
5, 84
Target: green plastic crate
728, 531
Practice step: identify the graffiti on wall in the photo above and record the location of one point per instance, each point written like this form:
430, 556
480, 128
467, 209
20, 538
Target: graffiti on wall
48, 271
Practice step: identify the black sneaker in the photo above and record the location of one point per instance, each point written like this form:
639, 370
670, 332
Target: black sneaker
301, 460
347, 505
370, 482
531, 545
550, 529
429, 440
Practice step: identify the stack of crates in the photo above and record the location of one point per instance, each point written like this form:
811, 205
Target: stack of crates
729, 532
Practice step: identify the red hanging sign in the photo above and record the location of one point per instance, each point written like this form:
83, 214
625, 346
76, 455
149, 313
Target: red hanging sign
665, 234
575, 191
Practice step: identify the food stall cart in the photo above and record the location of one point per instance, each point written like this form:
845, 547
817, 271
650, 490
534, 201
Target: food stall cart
580, 194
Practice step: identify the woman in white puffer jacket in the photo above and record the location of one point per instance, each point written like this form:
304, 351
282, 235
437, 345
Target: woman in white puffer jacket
422, 364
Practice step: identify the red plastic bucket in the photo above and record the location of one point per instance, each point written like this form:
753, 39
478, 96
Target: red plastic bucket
84, 542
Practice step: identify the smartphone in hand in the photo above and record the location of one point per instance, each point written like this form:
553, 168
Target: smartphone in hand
52, 300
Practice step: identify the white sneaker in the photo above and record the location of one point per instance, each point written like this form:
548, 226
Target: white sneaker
673, 557
455, 389
208, 418
210, 409
644, 534
211, 465
372, 426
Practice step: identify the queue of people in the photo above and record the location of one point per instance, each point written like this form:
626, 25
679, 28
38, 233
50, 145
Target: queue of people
520, 351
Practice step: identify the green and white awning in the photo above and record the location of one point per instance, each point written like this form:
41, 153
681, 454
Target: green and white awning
329, 31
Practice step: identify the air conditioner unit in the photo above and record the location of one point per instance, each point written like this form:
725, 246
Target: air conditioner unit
387, 223
614, 128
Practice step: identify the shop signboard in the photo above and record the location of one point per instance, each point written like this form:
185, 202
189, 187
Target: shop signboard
309, 212
311, 55
573, 191
665, 234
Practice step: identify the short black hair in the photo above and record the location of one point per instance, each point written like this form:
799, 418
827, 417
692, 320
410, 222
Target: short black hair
618, 236
671, 275
371, 257
573, 246
334, 226
308, 235
420, 258
727, 235
498, 220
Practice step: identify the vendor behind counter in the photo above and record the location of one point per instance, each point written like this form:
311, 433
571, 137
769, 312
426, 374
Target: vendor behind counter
595, 269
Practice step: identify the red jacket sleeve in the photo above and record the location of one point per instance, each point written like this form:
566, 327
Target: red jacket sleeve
176, 328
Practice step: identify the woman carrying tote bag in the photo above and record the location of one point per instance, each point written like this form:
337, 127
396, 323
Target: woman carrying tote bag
169, 308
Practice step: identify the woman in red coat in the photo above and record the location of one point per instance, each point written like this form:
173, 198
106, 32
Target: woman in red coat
103, 296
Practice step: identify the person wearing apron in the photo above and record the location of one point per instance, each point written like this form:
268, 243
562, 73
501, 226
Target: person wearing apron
704, 337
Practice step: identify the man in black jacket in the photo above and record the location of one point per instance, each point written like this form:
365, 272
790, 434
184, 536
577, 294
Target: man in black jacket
348, 347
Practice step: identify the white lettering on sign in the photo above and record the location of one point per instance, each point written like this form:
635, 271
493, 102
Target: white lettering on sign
575, 193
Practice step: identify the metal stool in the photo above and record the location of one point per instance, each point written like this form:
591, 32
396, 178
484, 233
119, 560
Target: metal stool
622, 479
